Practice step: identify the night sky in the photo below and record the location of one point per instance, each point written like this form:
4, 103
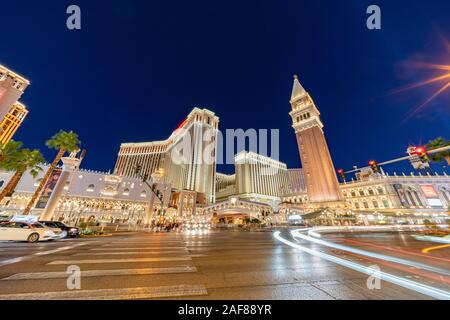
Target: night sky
137, 68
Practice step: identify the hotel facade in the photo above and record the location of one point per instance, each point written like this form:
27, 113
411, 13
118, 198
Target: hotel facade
187, 159
183, 169
394, 198
88, 195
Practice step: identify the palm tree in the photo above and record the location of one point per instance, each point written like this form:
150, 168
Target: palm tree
440, 156
24, 159
10, 151
62, 141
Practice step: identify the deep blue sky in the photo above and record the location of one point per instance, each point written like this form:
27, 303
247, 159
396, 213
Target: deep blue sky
137, 68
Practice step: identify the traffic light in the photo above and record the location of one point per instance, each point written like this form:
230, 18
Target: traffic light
342, 174
374, 166
422, 153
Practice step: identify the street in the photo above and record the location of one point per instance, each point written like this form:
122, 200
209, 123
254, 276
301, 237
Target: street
216, 265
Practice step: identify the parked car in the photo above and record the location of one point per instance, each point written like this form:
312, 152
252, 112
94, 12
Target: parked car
22, 231
71, 232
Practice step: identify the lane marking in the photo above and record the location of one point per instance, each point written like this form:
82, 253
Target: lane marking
427, 250
411, 285
114, 294
99, 261
38, 254
101, 273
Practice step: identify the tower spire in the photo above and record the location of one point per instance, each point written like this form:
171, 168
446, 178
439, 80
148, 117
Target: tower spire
297, 91
320, 176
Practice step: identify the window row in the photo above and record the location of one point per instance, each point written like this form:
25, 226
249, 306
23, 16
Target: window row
362, 192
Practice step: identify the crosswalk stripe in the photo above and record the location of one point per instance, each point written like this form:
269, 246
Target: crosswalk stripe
145, 243
101, 273
114, 294
114, 248
127, 253
42, 253
99, 261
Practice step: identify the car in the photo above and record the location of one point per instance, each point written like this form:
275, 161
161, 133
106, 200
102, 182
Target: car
22, 231
72, 232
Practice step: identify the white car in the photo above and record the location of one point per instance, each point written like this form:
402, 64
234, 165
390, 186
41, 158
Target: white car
22, 231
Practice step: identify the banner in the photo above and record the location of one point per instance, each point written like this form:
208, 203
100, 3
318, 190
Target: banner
432, 196
48, 189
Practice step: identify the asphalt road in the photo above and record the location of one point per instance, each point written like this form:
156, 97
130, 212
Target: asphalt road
218, 265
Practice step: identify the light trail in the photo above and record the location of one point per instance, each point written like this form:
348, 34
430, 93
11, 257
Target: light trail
407, 252
427, 250
411, 285
296, 234
409, 270
433, 239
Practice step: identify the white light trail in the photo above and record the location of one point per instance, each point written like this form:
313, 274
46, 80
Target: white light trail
411, 285
297, 234
433, 239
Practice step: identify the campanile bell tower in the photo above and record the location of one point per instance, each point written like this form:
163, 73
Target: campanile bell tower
320, 176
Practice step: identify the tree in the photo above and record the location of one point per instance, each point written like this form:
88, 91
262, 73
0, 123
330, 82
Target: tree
23, 160
439, 156
10, 151
62, 141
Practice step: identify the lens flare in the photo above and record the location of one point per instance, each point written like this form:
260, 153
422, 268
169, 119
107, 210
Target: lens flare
443, 80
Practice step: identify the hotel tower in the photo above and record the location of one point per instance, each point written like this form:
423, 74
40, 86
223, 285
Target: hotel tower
187, 159
11, 122
12, 86
320, 176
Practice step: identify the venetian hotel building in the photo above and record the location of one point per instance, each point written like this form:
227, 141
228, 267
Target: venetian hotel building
185, 170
